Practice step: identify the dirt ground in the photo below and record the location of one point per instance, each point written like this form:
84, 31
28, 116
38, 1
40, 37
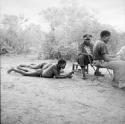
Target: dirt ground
30, 100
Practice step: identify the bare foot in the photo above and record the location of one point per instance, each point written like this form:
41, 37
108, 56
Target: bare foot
10, 70
84, 78
70, 76
115, 84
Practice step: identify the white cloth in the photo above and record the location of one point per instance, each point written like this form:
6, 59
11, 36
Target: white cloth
118, 68
121, 53
88, 49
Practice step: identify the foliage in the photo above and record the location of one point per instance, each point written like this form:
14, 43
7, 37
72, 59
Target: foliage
68, 25
16, 39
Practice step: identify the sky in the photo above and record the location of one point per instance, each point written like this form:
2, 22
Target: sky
106, 11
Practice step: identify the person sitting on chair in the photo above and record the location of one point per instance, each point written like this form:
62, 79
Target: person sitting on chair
43, 70
100, 51
85, 53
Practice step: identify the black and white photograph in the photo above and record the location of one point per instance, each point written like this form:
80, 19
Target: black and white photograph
62, 61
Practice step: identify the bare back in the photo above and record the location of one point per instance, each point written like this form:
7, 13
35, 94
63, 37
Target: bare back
50, 71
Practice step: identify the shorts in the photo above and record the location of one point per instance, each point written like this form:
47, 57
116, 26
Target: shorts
84, 60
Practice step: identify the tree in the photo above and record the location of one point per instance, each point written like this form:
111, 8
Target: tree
68, 25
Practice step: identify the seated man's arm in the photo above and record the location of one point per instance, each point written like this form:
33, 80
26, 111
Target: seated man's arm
113, 56
110, 65
105, 55
108, 58
102, 65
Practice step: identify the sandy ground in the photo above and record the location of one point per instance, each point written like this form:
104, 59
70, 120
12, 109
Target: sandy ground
30, 100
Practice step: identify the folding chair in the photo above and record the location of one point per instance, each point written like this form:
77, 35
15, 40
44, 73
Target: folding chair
75, 66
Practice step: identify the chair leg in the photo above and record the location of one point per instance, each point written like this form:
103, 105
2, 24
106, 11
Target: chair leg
76, 67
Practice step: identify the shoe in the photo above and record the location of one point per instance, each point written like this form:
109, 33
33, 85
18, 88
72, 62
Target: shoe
98, 74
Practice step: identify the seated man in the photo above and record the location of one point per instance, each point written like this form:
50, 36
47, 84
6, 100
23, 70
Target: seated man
44, 70
100, 51
118, 68
85, 53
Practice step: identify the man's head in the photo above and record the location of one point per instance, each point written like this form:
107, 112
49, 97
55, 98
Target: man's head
105, 36
87, 39
61, 63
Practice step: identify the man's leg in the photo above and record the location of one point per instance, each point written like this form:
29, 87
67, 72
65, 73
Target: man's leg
46, 66
33, 74
98, 66
81, 62
22, 68
33, 66
87, 69
83, 72
40, 66
97, 69
89, 60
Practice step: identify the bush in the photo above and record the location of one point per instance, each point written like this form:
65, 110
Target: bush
17, 40
68, 25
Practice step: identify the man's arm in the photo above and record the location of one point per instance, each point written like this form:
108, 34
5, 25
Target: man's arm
105, 55
110, 65
32, 66
103, 65
113, 56
57, 75
108, 58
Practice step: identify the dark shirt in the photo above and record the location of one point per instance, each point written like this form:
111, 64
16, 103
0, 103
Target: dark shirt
85, 49
99, 49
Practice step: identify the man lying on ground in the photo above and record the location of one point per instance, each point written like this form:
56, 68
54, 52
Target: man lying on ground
100, 51
44, 70
35, 66
118, 68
